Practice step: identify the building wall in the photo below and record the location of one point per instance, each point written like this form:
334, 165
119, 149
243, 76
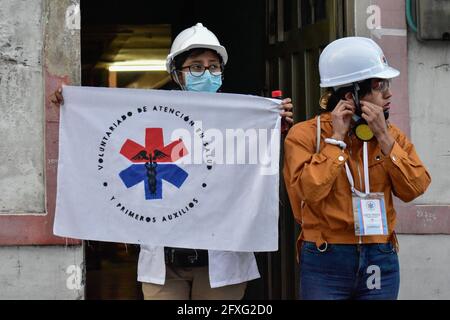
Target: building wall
39, 47
21, 105
424, 272
429, 82
41, 272
424, 259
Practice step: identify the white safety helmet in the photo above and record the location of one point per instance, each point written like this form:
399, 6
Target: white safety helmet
353, 59
195, 37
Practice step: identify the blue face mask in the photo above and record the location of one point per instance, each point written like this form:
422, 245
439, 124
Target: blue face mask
206, 83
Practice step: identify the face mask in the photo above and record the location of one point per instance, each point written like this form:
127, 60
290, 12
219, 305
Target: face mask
205, 83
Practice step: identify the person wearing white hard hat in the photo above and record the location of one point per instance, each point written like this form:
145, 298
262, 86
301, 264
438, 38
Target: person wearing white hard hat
196, 62
190, 75
342, 170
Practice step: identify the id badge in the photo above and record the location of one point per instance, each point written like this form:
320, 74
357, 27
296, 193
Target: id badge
370, 215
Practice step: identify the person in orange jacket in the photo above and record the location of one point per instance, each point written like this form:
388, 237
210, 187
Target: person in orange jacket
341, 172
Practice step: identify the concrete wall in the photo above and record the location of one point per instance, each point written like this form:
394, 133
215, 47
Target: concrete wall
39, 47
21, 107
424, 271
424, 260
429, 83
37, 272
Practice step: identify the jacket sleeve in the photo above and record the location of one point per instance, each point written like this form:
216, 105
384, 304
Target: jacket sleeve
408, 175
310, 176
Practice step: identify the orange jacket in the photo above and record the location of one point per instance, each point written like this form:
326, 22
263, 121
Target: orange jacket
318, 186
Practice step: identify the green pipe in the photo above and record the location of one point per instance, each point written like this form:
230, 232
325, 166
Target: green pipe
409, 17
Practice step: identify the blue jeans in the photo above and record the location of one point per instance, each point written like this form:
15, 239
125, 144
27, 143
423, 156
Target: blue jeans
360, 272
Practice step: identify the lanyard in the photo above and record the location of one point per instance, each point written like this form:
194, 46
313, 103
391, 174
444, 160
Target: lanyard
366, 175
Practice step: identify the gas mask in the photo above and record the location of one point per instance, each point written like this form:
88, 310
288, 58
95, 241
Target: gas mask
360, 128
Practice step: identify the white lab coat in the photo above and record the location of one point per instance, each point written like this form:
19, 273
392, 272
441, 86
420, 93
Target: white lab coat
225, 267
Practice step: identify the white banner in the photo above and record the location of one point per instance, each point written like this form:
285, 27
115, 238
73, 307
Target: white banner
169, 168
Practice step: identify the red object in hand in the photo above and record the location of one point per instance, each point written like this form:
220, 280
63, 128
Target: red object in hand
278, 94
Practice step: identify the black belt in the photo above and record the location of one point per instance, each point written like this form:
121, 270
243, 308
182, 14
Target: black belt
185, 258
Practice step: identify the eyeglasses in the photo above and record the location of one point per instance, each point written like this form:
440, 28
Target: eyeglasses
197, 70
381, 85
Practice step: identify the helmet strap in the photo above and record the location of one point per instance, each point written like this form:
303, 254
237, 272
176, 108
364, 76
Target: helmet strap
174, 74
356, 89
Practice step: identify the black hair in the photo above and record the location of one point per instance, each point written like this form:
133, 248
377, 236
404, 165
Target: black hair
365, 88
181, 58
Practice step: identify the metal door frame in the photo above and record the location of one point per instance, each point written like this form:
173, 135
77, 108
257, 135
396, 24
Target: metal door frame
292, 58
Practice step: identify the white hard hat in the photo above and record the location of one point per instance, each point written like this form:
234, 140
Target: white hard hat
353, 59
195, 37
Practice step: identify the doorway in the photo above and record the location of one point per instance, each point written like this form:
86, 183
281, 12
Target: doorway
261, 37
